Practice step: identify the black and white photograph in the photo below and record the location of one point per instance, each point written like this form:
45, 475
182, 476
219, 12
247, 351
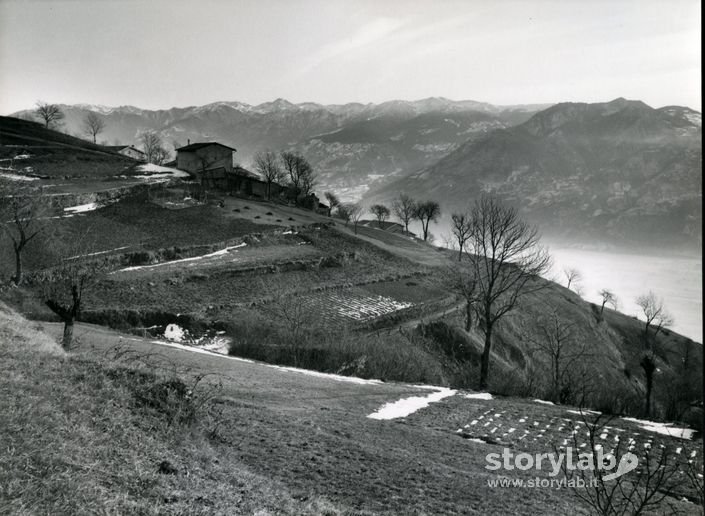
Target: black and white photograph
351, 257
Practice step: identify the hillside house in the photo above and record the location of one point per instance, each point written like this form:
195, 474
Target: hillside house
130, 151
209, 162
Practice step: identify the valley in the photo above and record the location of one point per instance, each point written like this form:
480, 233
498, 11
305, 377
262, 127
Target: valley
307, 336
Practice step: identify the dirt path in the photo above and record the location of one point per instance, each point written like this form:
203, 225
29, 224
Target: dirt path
401, 246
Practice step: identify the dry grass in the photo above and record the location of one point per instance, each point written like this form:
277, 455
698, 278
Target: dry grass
21, 333
85, 437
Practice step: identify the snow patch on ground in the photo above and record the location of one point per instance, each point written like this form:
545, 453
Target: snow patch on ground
157, 172
174, 332
407, 406
335, 377
479, 396
662, 428
17, 177
543, 402
584, 411
330, 376
97, 252
221, 252
82, 208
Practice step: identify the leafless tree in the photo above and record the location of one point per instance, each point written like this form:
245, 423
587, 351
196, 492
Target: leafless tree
640, 491
267, 164
93, 125
288, 307
463, 282
22, 221
656, 320
404, 208
309, 180
655, 315
572, 275
607, 297
354, 213
301, 175
381, 213
427, 212
153, 146
333, 201
343, 212
557, 341
461, 231
65, 285
506, 261
51, 114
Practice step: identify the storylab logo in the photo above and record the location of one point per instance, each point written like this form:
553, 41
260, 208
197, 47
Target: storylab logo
553, 464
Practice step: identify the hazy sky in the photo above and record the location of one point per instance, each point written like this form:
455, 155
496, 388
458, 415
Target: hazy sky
159, 54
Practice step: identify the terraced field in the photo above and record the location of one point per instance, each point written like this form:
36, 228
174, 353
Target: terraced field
352, 304
540, 427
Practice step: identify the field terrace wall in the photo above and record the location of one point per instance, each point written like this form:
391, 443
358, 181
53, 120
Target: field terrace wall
60, 201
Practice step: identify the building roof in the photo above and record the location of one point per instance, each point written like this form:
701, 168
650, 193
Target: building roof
118, 148
387, 225
196, 146
241, 171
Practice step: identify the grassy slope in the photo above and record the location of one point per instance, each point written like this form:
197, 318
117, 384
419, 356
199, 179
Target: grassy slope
209, 291
76, 441
58, 155
312, 436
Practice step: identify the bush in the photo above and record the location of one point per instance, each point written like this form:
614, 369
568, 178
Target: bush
140, 258
390, 357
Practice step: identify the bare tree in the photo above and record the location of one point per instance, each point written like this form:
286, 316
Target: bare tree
333, 201
93, 125
557, 341
301, 175
66, 284
427, 212
268, 166
607, 297
294, 314
153, 146
22, 221
309, 180
464, 283
354, 213
381, 213
461, 231
572, 275
655, 315
404, 208
506, 263
51, 114
656, 320
640, 491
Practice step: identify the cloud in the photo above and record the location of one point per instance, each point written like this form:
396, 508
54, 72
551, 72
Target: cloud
369, 34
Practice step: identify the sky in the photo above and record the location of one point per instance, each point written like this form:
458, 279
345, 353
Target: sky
158, 54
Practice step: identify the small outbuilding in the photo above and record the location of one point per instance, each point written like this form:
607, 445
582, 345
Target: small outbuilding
129, 150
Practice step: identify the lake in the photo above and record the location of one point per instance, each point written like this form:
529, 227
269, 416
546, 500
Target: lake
678, 280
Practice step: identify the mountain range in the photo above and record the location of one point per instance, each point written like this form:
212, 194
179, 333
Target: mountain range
352, 146
613, 172
618, 172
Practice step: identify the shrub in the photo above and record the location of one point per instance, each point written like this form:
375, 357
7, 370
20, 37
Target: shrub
390, 357
139, 258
